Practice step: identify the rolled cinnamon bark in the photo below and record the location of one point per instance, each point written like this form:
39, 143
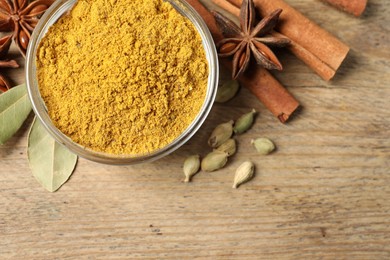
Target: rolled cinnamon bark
355, 7
269, 91
227, 6
317, 48
257, 79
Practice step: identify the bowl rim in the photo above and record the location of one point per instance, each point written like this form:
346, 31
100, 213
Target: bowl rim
59, 8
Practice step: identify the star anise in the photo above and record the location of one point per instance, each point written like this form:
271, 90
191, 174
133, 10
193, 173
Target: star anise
250, 40
5, 43
21, 17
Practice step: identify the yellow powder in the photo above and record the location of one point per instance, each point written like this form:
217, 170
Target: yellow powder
122, 77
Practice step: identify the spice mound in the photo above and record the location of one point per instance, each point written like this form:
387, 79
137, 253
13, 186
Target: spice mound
122, 77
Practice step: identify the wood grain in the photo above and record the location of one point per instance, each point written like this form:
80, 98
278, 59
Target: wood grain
323, 195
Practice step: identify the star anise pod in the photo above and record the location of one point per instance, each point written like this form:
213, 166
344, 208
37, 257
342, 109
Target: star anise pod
21, 17
5, 43
250, 40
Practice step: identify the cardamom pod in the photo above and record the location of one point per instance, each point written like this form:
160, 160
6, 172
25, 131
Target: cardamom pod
228, 147
263, 146
244, 122
220, 134
191, 167
227, 91
244, 173
214, 161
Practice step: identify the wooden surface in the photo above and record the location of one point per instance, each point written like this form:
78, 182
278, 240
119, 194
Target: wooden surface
325, 193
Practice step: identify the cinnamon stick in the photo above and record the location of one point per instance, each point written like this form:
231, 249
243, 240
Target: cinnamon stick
208, 18
317, 48
227, 6
355, 7
269, 91
258, 80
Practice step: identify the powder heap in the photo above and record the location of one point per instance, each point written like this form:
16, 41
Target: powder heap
122, 77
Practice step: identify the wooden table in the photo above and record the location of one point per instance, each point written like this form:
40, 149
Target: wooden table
325, 193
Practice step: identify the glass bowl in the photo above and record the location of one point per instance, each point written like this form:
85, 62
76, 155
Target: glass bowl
58, 9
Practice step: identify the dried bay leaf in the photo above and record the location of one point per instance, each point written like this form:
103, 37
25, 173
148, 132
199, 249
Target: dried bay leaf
51, 163
14, 110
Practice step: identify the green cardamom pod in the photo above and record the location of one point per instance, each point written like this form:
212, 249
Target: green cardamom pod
244, 173
227, 91
191, 167
214, 161
263, 146
228, 147
244, 122
220, 134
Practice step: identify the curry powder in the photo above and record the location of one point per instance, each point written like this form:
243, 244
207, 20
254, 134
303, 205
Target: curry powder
122, 77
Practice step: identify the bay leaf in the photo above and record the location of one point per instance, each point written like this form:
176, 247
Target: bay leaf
51, 163
14, 110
